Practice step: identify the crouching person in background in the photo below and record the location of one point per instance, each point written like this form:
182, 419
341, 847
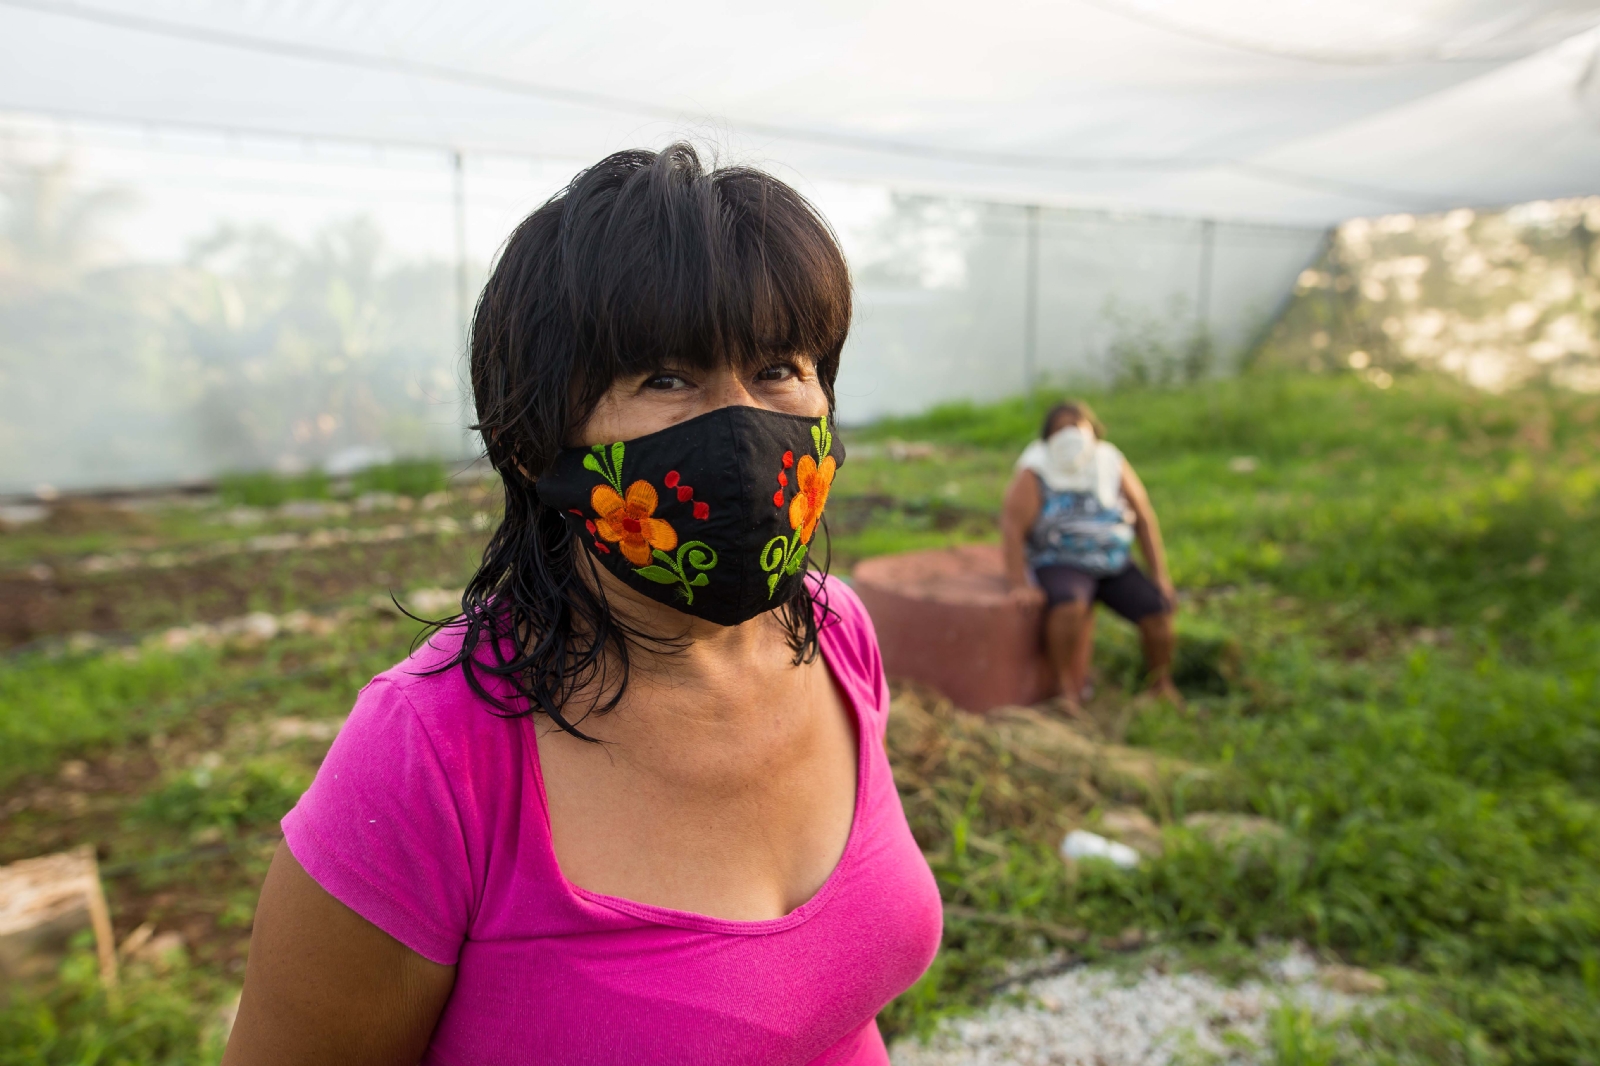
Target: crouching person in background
1070, 517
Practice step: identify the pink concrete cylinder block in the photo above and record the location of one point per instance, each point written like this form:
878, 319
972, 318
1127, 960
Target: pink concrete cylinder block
944, 619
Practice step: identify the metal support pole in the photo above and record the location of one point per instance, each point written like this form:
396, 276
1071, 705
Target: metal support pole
463, 296
470, 444
1030, 321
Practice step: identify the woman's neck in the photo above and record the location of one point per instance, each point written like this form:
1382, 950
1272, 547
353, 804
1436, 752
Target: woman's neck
697, 663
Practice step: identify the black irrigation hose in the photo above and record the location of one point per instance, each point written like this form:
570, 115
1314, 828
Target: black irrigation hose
1037, 973
1071, 961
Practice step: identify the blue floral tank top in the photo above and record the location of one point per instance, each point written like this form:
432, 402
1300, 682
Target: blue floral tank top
1077, 529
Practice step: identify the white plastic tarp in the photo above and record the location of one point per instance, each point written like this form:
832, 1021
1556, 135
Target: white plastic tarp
1027, 191
1295, 111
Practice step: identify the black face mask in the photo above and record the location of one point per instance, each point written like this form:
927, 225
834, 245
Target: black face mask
713, 516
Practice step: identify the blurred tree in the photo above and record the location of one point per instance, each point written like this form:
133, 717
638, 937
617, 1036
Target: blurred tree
255, 351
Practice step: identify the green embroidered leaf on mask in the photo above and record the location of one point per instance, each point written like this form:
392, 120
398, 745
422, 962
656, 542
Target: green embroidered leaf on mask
795, 561
659, 575
700, 580
616, 459
591, 463
772, 585
772, 555
821, 437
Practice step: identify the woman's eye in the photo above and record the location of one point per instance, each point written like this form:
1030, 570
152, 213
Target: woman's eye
777, 372
665, 382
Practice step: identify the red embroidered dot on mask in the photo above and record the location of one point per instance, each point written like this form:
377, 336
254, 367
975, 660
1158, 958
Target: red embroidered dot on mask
714, 516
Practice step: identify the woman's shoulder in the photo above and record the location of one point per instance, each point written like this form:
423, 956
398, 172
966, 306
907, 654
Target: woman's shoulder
1036, 454
432, 680
425, 706
396, 821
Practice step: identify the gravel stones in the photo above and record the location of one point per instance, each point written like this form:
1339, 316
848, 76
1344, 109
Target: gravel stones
1102, 1017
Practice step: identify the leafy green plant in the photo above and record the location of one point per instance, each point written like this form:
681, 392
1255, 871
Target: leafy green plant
404, 477
73, 1021
258, 792
266, 489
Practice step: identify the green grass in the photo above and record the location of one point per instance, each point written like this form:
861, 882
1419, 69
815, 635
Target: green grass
1409, 583
151, 1020
405, 477
56, 706
1390, 644
262, 488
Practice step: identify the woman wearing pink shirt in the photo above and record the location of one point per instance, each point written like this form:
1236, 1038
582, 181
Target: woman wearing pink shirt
633, 806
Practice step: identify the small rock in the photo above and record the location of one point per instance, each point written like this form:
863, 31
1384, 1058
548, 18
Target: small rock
1230, 830
284, 730
1134, 828
1127, 940
1352, 980
435, 603
80, 643
375, 501
303, 509
257, 627
73, 771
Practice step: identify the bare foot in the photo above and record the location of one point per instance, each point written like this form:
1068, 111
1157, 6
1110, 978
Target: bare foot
1166, 690
1066, 709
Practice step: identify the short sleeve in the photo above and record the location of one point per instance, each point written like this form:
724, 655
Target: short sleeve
850, 645
1034, 456
381, 831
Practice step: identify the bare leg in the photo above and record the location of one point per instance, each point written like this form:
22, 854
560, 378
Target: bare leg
1155, 631
1068, 637
1085, 661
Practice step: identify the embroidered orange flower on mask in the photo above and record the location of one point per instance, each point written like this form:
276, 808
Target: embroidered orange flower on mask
627, 522
812, 481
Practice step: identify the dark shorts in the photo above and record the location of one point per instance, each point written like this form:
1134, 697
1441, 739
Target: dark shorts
1129, 593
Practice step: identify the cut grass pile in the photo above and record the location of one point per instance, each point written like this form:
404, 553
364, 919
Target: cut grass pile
1389, 645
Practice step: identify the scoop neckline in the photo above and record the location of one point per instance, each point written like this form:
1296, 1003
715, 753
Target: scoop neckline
681, 919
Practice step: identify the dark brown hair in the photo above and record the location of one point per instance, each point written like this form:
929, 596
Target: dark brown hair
1079, 410
646, 260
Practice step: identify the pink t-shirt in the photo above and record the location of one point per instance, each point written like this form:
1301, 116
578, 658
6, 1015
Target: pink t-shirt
428, 819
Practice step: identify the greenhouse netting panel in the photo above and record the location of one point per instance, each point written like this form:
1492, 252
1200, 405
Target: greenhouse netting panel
944, 311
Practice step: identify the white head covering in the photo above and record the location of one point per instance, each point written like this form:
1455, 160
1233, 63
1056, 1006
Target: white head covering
1074, 460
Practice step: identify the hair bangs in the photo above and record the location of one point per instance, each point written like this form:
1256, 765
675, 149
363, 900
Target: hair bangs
669, 266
